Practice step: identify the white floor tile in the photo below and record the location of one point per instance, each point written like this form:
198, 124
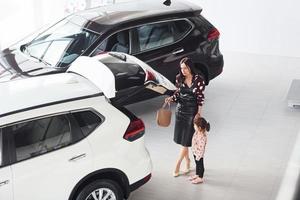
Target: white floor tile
252, 134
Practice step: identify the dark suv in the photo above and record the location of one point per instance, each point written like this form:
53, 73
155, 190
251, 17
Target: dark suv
157, 34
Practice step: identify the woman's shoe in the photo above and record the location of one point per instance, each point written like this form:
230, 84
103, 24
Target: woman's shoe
188, 167
176, 174
197, 180
177, 170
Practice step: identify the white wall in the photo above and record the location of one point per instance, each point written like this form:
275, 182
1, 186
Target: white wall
13, 18
19, 18
256, 26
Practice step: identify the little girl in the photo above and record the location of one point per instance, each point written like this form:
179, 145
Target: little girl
199, 140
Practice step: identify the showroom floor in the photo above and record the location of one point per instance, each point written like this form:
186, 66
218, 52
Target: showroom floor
251, 139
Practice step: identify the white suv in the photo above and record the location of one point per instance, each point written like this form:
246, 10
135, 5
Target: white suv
62, 139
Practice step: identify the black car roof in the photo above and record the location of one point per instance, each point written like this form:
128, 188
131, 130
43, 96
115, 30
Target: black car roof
103, 18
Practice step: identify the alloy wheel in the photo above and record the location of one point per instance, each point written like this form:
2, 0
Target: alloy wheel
102, 194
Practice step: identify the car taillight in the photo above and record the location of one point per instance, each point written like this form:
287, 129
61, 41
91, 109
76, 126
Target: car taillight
150, 76
213, 34
135, 130
147, 178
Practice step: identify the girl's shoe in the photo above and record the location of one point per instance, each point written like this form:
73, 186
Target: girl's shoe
193, 177
197, 180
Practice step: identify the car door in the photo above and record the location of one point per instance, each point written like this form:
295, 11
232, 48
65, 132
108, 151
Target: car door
49, 157
6, 189
6, 183
160, 45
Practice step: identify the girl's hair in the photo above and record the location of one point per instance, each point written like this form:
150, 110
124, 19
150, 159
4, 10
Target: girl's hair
189, 63
201, 123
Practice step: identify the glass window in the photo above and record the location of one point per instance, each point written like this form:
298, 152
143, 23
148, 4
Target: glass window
87, 121
156, 35
101, 48
180, 28
40, 136
118, 42
61, 44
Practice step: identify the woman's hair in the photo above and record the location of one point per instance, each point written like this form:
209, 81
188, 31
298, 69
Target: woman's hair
189, 63
201, 123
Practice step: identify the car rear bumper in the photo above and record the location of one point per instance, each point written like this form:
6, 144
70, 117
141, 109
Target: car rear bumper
216, 67
139, 183
137, 161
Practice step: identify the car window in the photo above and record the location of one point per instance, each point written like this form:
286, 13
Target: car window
40, 136
87, 121
101, 48
118, 42
61, 44
180, 28
153, 36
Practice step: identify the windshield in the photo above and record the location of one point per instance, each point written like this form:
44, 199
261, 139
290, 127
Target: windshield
61, 44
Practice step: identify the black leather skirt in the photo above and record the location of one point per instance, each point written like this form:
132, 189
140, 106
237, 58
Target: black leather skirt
186, 110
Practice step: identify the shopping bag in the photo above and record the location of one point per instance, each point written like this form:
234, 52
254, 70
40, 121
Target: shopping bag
163, 115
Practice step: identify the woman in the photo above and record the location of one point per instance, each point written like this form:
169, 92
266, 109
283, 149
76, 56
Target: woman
189, 98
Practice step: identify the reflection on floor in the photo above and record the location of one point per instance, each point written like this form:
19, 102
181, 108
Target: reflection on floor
252, 135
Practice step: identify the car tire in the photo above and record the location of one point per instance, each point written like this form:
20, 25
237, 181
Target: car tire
105, 186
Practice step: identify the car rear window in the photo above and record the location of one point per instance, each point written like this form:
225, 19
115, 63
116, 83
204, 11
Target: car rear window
181, 27
152, 36
87, 121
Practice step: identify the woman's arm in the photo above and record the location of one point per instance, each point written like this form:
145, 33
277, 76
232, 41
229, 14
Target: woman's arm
199, 91
199, 110
175, 96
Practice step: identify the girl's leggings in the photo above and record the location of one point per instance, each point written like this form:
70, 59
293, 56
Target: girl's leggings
199, 167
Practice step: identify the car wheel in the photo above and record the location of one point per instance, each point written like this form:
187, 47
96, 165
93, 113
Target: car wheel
101, 190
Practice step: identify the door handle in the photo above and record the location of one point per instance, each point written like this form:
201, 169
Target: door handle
178, 51
75, 158
4, 183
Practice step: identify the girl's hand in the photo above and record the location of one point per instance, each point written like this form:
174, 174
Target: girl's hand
168, 100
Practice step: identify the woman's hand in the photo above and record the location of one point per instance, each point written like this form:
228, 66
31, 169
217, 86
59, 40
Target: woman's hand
168, 100
198, 114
